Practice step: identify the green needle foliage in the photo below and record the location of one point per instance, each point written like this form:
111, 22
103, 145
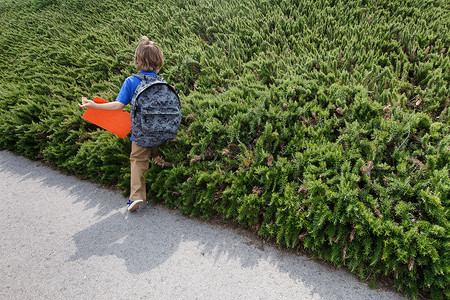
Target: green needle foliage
319, 124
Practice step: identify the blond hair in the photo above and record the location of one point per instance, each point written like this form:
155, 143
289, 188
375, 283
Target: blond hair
148, 56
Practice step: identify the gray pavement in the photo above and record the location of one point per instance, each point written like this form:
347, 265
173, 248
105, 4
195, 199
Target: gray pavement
63, 238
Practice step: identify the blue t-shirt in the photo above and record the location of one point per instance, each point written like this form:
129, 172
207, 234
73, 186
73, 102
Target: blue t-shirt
128, 87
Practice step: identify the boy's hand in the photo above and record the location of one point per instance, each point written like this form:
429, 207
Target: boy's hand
85, 103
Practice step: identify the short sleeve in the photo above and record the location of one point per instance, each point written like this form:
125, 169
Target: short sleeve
125, 94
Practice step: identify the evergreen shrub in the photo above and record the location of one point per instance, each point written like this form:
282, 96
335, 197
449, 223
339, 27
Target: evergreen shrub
319, 124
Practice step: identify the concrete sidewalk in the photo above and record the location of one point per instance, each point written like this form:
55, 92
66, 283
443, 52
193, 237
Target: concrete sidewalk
62, 238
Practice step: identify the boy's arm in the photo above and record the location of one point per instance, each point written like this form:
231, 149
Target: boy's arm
116, 105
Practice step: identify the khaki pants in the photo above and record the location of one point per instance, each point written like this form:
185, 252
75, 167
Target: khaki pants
139, 165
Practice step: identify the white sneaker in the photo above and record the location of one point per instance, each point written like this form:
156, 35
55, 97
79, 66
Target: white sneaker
134, 205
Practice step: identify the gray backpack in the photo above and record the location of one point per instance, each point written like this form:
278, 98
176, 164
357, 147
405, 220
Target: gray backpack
155, 112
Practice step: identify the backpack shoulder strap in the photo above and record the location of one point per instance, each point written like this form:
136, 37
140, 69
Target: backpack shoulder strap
139, 75
144, 77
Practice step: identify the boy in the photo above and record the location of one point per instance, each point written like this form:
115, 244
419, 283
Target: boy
148, 58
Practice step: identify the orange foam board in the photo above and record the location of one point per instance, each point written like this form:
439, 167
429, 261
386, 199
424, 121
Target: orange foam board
115, 121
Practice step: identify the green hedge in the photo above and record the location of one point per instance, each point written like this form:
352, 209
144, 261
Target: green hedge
320, 124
